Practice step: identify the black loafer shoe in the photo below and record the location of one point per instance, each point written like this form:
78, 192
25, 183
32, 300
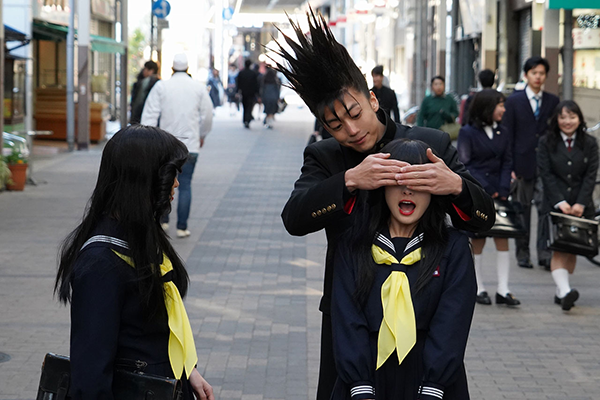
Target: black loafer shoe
483, 298
569, 300
525, 264
557, 300
509, 300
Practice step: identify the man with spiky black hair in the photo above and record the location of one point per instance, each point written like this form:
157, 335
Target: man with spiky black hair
324, 75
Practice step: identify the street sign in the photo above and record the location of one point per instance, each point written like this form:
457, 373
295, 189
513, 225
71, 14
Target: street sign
161, 8
227, 13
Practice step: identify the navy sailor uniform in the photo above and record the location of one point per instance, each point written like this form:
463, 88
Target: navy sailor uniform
443, 310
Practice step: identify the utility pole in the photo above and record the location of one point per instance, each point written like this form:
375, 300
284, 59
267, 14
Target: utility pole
1, 77
71, 78
567, 80
124, 58
83, 57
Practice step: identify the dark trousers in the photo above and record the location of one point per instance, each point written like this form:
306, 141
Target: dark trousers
327, 371
528, 191
248, 102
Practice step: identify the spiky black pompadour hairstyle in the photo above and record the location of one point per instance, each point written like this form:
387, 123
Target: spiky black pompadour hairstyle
321, 71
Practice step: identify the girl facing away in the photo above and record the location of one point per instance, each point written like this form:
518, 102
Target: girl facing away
403, 296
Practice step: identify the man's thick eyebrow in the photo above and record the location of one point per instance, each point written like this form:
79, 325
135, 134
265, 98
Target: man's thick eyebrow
328, 121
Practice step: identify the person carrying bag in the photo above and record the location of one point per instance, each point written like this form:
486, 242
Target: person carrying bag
123, 279
568, 162
485, 148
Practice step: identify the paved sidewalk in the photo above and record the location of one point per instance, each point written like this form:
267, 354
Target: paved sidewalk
253, 301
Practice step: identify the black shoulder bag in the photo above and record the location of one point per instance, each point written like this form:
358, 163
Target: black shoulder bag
570, 234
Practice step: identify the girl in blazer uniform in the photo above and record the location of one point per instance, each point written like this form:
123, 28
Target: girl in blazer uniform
403, 296
485, 148
568, 162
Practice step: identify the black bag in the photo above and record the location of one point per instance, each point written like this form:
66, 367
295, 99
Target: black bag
574, 235
129, 381
509, 221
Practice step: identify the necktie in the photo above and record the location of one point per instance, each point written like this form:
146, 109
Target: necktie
569, 144
182, 349
398, 330
536, 113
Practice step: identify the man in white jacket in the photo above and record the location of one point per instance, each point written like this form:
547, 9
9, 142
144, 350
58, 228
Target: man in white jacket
182, 107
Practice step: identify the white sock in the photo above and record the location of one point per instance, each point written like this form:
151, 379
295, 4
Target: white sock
561, 278
478, 260
502, 266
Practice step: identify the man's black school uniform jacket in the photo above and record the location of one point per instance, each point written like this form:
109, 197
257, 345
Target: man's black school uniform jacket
319, 195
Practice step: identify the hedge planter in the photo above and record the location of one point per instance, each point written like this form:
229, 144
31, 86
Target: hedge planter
19, 176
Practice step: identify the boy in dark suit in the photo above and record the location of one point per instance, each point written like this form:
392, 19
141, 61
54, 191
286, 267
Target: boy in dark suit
526, 119
333, 87
386, 96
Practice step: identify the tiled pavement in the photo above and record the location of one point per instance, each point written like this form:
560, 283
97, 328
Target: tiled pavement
255, 289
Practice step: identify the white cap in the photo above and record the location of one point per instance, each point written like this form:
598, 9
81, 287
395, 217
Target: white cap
180, 62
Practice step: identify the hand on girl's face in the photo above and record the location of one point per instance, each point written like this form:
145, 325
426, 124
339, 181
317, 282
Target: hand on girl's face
434, 178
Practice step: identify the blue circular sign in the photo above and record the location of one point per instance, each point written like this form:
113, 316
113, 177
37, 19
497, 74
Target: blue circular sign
227, 13
161, 8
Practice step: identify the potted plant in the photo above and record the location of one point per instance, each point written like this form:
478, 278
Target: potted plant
17, 164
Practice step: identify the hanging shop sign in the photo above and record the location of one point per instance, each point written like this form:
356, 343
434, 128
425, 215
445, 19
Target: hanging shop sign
586, 38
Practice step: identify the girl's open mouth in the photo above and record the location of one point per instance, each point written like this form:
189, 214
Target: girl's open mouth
406, 207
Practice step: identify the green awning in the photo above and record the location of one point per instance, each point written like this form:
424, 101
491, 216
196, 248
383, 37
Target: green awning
572, 4
47, 31
103, 44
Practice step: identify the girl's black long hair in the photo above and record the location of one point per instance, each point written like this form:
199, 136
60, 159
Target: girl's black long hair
554, 131
373, 215
481, 110
138, 168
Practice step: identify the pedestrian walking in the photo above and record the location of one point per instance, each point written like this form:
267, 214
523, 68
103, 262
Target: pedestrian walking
125, 311
485, 149
526, 120
403, 257
486, 79
216, 91
146, 80
438, 110
182, 107
335, 171
247, 85
270, 87
386, 96
232, 95
568, 163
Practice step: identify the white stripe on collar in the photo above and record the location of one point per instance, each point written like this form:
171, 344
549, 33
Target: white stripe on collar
105, 239
384, 239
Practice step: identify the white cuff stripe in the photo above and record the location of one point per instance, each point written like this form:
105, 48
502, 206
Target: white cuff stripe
430, 391
364, 389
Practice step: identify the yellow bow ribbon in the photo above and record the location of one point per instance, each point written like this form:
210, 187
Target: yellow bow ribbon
398, 329
182, 349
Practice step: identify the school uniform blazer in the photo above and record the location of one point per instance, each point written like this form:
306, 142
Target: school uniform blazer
525, 130
488, 160
320, 194
568, 175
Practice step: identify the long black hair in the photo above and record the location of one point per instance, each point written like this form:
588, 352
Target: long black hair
481, 110
373, 216
321, 71
554, 131
138, 168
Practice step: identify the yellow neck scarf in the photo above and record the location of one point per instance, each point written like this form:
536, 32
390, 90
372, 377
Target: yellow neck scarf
182, 349
398, 329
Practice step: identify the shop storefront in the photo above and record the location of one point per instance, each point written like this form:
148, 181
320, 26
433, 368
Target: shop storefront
586, 62
50, 28
14, 80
